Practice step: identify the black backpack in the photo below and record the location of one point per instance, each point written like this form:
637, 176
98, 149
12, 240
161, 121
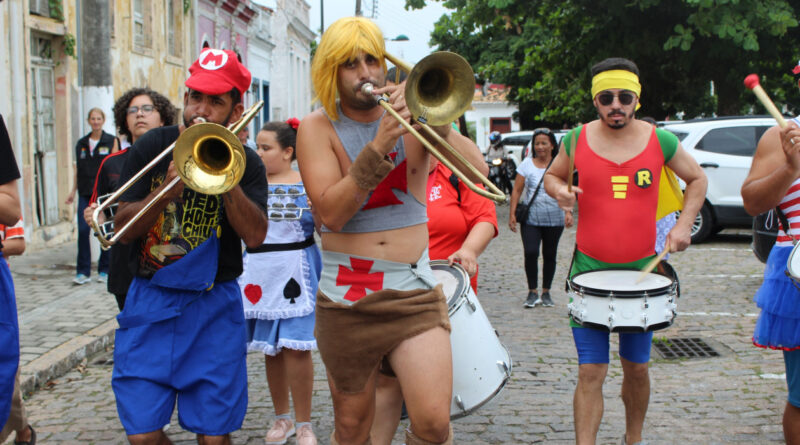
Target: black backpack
765, 232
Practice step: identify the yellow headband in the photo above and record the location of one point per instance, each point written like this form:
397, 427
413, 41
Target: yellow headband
617, 79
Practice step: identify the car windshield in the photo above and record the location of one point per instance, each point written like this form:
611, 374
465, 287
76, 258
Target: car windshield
681, 134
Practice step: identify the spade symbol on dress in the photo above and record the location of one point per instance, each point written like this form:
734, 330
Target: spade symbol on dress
292, 290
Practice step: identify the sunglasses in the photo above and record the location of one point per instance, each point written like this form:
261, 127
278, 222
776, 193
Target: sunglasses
539, 131
146, 109
607, 98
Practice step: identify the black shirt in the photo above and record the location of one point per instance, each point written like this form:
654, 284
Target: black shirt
8, 163
120, 276
189, 221
88, 160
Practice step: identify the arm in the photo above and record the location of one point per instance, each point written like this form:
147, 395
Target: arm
335, 193
13, 246
555, 181
516, 192
10, 211
245, 217
71, 196
477, 239
684, 165
776, 165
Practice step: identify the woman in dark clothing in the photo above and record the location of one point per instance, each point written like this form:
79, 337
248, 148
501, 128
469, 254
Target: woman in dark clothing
89, 153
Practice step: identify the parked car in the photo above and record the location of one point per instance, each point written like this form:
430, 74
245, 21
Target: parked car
724, 148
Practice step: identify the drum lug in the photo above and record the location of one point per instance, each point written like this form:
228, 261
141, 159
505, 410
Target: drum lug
471, 304
611, 320
644, 320
460, 404
504, 367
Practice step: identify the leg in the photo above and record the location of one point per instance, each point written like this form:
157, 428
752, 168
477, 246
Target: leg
424, 368
791, 416
388, 409
202, 439
592, 347
152, 438
791, 424
635, 396
17, 418
276, 380
84, 261
531, 237
103, 261
634, 353
300, 370
550, 237
353, 413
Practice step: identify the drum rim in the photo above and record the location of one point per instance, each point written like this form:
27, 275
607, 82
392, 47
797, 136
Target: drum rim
587, 290
462, 287
491, 396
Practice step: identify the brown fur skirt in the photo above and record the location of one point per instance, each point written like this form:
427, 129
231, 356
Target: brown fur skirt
352, 339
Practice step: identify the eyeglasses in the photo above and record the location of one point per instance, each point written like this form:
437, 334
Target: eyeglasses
539, 131
606, 98
146, 109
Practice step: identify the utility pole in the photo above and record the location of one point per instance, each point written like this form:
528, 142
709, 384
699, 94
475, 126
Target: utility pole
358, 8
321, 17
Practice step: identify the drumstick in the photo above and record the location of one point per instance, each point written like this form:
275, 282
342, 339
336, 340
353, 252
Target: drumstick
653, 263
571, 160
752, 82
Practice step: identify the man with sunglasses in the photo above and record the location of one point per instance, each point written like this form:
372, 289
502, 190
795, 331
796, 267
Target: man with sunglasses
774, 181
619, 159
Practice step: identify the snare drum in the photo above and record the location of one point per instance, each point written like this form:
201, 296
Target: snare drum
612, 300
481, 364
793, 265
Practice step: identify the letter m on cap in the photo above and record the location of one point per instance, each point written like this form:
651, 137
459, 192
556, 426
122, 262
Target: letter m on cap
213, 59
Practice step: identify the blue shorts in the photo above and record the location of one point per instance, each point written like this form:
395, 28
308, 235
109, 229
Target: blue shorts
592, 345
196, 355
792, 360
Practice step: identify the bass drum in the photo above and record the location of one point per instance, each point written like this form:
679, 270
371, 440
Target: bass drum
481, 364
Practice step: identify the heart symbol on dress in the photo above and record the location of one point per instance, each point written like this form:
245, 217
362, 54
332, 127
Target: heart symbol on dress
253, 293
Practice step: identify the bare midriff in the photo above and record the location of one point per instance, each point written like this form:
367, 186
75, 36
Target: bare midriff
404, 245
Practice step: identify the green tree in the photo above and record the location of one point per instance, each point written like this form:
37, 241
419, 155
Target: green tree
543, 50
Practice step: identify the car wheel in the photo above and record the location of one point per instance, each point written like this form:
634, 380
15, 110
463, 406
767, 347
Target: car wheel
703, 225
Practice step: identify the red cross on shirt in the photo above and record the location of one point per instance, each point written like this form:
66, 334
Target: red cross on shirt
359, 279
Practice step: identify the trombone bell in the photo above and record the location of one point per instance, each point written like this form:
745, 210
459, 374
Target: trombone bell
210, 159
440, 88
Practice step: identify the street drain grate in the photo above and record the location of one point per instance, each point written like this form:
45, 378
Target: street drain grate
672, 348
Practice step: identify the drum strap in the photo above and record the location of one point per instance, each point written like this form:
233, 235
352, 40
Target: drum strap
785, 224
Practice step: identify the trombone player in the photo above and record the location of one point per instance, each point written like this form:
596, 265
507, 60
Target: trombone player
181, 332
378, 304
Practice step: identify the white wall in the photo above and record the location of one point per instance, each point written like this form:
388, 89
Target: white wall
482, 112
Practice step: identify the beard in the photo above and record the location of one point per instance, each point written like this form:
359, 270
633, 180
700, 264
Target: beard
615, 124
357, 99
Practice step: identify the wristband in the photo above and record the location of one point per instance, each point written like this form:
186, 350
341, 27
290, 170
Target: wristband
369, 168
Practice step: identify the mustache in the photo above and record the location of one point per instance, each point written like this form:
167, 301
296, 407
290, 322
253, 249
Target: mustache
616, 113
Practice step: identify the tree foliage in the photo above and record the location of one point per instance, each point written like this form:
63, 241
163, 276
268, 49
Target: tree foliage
543, 50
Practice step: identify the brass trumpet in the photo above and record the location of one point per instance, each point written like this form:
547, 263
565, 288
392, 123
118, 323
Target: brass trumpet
439, 88
209, 159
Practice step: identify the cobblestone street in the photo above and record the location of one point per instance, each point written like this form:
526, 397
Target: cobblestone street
737, 397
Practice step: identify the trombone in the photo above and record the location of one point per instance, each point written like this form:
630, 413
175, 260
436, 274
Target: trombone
438, 90
209, 158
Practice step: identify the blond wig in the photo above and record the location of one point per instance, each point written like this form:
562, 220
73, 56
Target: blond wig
343, 41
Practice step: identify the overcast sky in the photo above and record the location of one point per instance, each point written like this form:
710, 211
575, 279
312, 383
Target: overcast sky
393, 20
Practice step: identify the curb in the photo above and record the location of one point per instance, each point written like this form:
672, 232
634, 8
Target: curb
66, 356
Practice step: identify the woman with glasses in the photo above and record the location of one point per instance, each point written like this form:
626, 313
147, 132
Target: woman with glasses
545, 221
279, 287
135, 112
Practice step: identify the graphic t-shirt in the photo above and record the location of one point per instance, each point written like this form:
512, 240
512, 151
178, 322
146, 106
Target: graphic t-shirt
191, 220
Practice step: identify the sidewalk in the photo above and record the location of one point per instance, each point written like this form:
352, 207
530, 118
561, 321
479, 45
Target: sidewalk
60, 323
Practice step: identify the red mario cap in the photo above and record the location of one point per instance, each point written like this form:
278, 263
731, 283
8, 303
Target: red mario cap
217, 72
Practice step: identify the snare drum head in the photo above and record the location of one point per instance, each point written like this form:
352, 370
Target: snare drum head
454, 280
619, 281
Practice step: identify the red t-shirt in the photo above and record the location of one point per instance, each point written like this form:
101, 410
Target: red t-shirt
449, 221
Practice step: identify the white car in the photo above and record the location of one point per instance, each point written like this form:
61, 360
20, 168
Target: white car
724, 148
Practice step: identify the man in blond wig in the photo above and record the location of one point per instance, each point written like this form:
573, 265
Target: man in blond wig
379, 308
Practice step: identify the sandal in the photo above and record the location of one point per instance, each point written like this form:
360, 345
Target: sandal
32, 440
280, 432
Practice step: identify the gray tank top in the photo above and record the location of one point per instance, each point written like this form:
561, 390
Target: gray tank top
409, 212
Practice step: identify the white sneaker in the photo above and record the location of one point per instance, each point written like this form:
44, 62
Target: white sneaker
81, 279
